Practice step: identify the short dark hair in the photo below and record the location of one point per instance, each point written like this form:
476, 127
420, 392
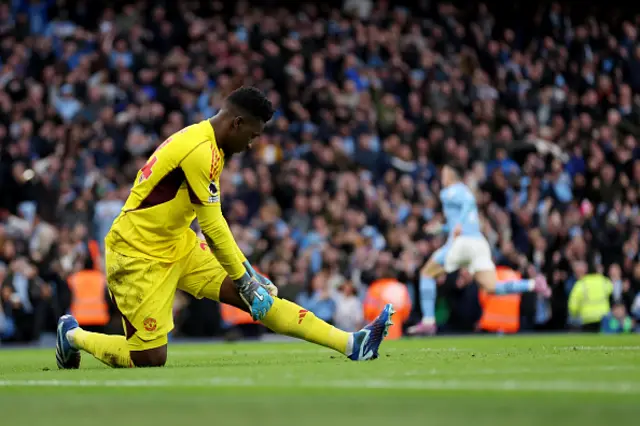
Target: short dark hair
456, 167
252, 101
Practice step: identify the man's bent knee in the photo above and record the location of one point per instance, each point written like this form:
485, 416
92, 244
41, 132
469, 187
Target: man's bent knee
432, 270
487, 280
148, 353
425, 270
150, 357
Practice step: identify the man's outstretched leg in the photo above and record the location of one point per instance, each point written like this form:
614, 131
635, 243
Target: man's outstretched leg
111, 350
289, 319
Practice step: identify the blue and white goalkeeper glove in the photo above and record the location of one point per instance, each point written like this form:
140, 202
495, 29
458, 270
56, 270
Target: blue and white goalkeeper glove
264, 281
256, 297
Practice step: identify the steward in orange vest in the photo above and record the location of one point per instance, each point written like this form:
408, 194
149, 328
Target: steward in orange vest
500, 314
388, 290
88, 297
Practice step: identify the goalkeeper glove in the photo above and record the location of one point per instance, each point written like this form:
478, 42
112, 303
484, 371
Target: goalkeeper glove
264, 281
254, 295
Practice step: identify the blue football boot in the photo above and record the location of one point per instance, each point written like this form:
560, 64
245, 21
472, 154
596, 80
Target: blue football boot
67, 357
367, 341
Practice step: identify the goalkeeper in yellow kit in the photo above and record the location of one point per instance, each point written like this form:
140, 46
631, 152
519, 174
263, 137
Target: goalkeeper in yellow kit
151, 251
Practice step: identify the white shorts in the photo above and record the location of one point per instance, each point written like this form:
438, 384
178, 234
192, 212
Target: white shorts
471, 253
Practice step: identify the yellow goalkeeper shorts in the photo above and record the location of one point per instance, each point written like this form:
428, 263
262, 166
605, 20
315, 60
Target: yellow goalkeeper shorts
143, 290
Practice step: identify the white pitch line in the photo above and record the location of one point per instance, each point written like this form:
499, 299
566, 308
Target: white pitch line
599, 348
440, 385
313, 351
514, 371
241, 350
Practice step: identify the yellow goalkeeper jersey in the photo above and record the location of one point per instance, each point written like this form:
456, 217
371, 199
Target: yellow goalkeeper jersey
181, 181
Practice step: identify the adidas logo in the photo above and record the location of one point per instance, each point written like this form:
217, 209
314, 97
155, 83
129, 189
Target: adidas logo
301, 314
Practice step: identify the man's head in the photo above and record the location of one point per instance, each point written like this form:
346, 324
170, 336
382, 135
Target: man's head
241, 119
580, 268
451, 173
619, 311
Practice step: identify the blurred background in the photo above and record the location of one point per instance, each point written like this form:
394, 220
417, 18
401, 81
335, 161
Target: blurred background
539, 100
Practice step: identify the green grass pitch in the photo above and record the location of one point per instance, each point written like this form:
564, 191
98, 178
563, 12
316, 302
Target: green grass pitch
538, 381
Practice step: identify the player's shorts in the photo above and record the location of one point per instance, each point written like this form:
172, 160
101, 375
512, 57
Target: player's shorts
143, 290
471, 253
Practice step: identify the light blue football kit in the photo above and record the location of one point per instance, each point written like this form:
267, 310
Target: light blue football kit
468, 250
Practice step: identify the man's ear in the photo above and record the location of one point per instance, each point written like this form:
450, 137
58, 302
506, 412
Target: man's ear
237, 122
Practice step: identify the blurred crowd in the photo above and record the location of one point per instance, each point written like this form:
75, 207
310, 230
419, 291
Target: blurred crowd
540, 102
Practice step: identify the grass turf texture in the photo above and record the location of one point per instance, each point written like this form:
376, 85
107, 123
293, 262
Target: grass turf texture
558, 380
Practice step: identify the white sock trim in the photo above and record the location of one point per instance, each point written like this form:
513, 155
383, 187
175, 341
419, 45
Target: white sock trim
70, 335
349, 350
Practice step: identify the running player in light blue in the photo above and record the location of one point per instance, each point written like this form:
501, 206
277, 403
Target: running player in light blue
466, 247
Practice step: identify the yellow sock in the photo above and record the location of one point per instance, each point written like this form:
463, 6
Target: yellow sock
290, 319
110, 349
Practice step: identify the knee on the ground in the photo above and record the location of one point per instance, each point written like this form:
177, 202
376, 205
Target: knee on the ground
150, 358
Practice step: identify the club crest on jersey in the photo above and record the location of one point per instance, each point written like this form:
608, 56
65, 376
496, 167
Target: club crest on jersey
215, 194
150, 324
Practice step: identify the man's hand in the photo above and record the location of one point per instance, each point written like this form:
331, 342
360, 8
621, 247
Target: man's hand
268, 285
264, 281
457, 231
256, 297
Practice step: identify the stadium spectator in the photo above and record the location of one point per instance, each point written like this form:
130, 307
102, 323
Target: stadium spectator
635, 310
617, 321
589, 298
541, 103
6, 323
318, 299
349, 310
26, 299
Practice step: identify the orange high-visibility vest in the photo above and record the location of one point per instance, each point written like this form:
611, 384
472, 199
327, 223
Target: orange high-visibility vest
501, 313
94, 252
234, 316
388, 290
88, 302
